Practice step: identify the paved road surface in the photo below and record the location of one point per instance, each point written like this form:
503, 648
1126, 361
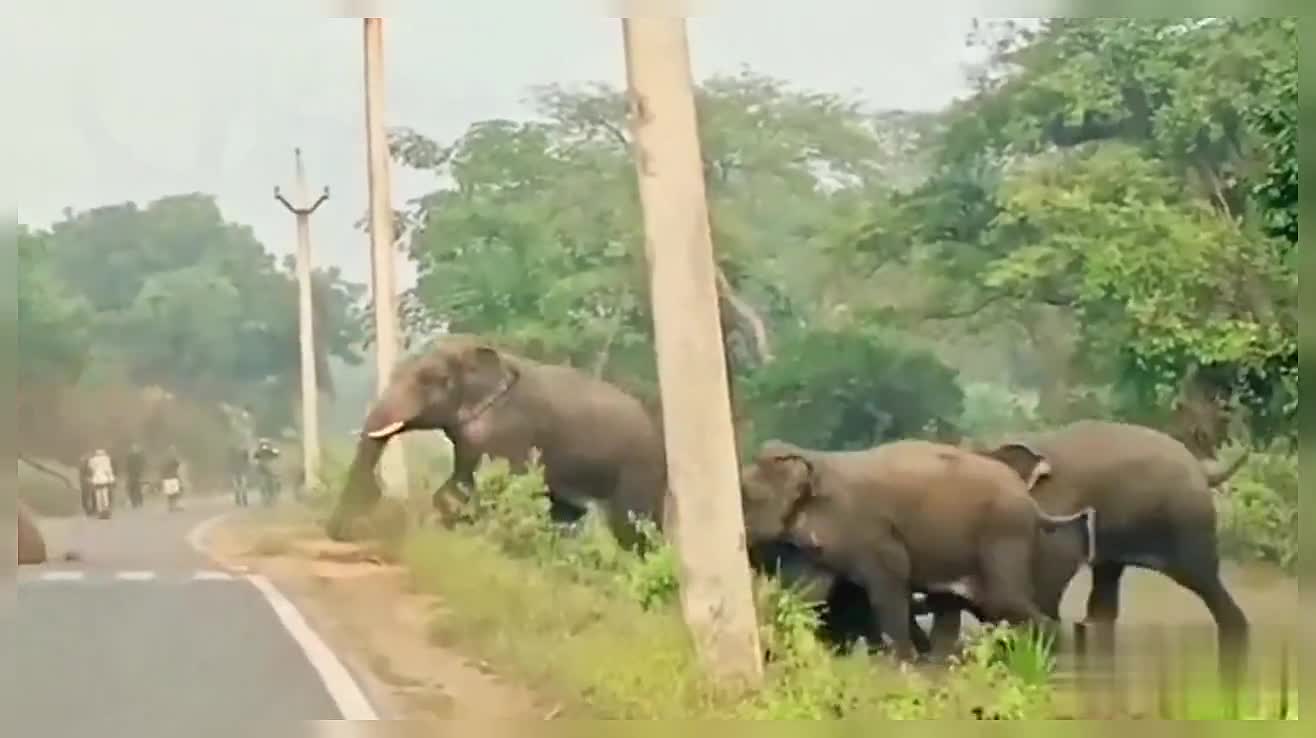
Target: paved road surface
144, 637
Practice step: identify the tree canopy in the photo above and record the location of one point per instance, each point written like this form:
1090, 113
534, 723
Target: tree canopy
172, 296
1108, 220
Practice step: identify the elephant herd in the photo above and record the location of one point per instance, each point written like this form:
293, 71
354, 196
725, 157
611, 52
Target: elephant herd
996, 531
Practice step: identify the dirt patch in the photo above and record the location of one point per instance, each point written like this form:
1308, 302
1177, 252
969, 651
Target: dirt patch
367, 612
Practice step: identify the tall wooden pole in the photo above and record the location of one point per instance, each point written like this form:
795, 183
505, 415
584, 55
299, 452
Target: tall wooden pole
716, 587
305, 321
393, 464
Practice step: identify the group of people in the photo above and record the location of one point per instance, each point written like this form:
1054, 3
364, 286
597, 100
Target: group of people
240, 469
98, 477
99, 474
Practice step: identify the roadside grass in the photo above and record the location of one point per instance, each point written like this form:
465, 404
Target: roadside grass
599, 628
569, 613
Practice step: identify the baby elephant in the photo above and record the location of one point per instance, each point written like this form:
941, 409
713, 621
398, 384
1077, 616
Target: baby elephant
902, 517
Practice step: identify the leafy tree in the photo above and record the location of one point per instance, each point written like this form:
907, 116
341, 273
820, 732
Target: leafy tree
173, 296
52, 335
851, 389
1133, 179
534, 231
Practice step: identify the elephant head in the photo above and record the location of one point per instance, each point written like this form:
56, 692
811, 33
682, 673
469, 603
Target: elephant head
1029, 463
773, 488
438, 390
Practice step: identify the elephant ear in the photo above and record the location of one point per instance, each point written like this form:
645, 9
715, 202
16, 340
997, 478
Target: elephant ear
485, 372
789, 467
1030, 464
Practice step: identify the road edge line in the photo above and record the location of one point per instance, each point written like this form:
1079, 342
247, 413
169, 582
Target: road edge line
196, 537
347, 695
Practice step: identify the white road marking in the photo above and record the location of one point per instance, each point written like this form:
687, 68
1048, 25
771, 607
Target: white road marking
63, 576
197, 536
135, 576
349, 698
211, 576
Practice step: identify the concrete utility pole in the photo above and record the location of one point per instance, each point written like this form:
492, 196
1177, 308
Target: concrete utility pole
305, 322
393, 464
716, 587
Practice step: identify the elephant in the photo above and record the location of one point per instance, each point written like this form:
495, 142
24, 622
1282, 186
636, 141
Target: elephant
902, 517
598, 444
31, 546
1154, 510
845, 614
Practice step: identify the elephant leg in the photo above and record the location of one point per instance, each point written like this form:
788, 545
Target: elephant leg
1104, 605
1104, 600
1231, 624
886, 579
1007, 592
946, 623
449, 500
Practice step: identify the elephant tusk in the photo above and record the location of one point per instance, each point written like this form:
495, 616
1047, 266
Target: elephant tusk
386, 431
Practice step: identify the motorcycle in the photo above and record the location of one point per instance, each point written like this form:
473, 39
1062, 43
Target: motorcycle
269, 486
172, 489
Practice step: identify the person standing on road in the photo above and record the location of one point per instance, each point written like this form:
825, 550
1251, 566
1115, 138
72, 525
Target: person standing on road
101, 470
84, 485
171, 479
239, 465
133, 467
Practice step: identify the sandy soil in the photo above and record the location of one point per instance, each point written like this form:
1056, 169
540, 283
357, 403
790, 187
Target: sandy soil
367, 612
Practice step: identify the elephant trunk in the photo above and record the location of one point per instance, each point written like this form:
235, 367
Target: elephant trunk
383, 421
361, 491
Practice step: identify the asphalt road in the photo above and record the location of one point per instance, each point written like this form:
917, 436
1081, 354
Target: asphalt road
144, 637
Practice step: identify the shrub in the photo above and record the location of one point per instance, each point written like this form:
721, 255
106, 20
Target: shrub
1259, 510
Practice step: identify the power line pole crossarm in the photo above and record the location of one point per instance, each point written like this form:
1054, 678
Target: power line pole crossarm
305, 321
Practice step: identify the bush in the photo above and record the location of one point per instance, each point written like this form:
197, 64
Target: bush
560, 606
1259, 509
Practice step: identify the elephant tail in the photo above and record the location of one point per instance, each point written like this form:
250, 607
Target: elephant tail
1217, 476
1087, 516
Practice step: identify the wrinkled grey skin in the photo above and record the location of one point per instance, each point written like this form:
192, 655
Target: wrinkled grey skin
904, 517
597, 443
1154, 509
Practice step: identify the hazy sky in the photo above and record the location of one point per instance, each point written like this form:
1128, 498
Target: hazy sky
136, 99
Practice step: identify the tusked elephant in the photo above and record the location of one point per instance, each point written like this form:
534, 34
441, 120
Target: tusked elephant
597, 443
1154, 509
904, 517
31, 546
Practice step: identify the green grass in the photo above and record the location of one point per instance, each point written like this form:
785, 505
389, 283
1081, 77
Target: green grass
599, 629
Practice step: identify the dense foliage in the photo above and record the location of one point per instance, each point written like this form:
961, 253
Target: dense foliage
1108, 221
170, 297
